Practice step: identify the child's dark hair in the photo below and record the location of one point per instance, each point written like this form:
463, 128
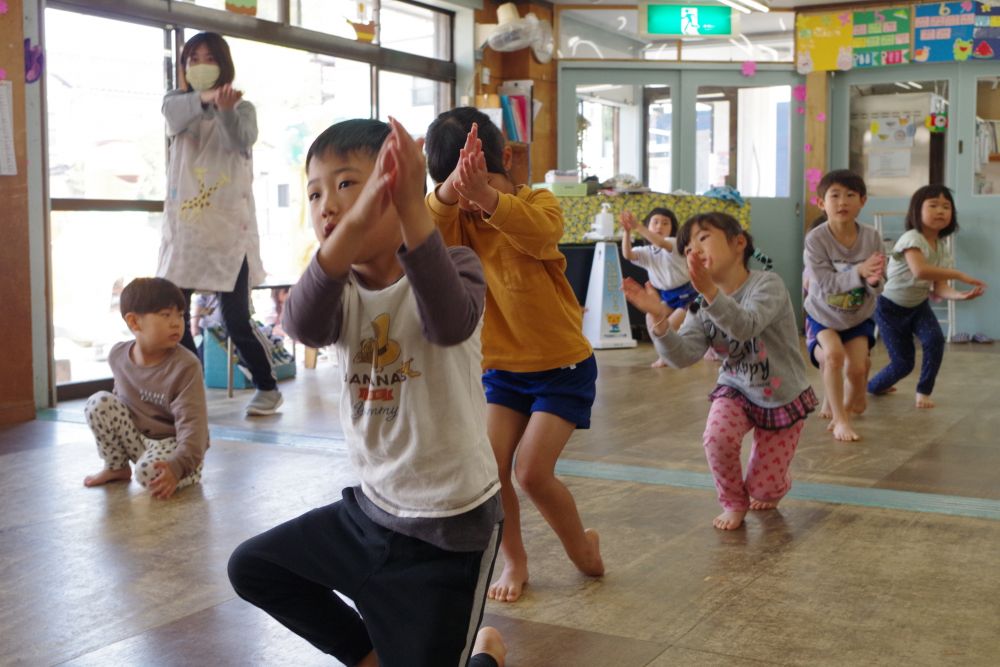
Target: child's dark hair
150, 295
843, 177
219, 49
722, 221
358, 135
666, 213
914, 220
446, 137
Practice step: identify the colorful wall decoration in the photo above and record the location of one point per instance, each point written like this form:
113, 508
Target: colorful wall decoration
824, 42
882, 37
986, 33
942, 31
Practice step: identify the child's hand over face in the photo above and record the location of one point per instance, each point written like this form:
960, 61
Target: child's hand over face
474, 181
165, 482
374, 198
701, 280
406, 164
447, 193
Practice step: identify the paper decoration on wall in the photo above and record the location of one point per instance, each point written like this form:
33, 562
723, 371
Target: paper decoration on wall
3, 7
942, 32
3, 74
749, 68
824, 42
808, 148
882, 37
34, 59
986, 33
937, 122
821, 117
894, 133
799, 92
247, 7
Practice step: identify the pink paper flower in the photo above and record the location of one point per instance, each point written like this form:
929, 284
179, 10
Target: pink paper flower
799, 92
801, 110
821, 117
808, 148
3, 7
749, 68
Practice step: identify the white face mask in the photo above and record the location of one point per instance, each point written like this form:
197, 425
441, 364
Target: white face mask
202, 77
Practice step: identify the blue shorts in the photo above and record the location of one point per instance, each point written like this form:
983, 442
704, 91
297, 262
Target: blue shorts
565, 392
866, 328
679, 297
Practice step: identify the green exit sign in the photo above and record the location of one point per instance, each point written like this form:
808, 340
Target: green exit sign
693, 20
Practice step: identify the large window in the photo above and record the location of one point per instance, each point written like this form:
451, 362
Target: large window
414, 101
743, 139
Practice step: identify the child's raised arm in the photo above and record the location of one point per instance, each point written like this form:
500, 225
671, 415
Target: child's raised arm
408, 173
446, 192
627, 220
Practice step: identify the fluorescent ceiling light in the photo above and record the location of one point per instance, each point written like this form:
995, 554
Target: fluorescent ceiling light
760, 7
901, 85
596, 88
916, 85
739, 8
711, 96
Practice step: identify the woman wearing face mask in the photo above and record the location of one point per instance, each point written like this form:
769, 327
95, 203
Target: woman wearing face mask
210, 241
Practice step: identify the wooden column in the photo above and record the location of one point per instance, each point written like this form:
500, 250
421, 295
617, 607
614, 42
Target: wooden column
16, 390
816, 131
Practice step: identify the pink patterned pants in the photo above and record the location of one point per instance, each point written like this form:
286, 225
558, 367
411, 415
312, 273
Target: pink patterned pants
767, 477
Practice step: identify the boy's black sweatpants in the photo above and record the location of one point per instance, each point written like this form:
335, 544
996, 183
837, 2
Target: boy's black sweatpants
419, 604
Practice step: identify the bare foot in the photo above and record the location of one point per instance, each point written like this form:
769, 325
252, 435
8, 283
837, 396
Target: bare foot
105, 476
659, 363
729, 520
510, 585
924, 401
763, 504
593, 564
859, 405
890, 390
824, 410
489, 641
843, 432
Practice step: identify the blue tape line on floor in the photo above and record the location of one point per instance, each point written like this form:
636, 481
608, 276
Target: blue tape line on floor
909, 501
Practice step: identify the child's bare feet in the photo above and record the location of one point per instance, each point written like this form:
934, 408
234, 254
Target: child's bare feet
763, 504
105, 476
489, 641
824, 410
859, 405
843, 432
890, 390
729, 520
510, 585
924, 401
659, 363
592, 565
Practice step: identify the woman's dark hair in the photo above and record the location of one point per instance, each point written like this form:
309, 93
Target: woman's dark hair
358, 135
150, 295
722, 221
446, 137
914, 220
219, 50
666, 213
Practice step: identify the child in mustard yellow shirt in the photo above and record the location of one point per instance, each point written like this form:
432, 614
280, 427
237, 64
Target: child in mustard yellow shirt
539, 369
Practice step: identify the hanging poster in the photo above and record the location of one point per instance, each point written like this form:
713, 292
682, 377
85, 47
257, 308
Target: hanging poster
942, 31
882, 37
986, 34
823, 42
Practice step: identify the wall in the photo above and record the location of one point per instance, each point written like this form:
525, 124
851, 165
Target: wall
16, 390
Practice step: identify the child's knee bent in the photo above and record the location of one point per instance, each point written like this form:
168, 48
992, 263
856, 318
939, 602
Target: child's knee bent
95, 401
531, 479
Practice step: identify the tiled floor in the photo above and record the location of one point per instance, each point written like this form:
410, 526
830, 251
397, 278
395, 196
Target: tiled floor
109, 576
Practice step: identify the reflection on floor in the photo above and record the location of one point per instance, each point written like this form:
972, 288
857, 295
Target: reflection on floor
885, 553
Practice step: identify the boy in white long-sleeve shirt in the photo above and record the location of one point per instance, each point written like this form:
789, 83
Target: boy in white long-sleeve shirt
414, 544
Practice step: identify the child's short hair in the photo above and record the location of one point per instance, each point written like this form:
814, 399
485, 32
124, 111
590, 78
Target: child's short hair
665, 212
358, 135
914, 220
150, 295
219, 49
446, 137
843, 177
723, 221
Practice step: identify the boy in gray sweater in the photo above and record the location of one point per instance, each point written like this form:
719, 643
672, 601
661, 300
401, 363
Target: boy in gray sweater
845, 265
157, 417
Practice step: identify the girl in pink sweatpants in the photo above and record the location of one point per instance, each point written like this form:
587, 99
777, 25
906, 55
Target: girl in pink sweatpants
747, 318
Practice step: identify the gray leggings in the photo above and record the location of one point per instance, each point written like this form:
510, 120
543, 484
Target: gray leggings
119, 441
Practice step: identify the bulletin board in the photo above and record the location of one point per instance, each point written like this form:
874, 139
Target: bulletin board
882, 37
942, 31
823, 42
986, 33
